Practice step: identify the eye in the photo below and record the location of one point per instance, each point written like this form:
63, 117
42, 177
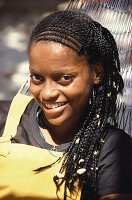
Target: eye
36, 79
65, 79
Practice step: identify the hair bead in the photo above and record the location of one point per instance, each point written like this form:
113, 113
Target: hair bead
81, 161
97, 115
74, 157
109, 94
81, 171
99, 123
95, 153
59, 175
77, 140
114, 85
101, 140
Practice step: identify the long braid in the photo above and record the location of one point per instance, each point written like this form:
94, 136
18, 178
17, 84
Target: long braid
85, 36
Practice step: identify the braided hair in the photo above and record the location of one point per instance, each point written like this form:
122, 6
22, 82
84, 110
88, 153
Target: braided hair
79, 32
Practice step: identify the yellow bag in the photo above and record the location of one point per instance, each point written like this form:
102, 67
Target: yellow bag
17, 162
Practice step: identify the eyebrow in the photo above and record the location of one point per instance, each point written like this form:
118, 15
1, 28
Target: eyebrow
59, 71
66, 70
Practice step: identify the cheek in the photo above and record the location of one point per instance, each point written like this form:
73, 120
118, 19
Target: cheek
79, 95
82, 95
81, 89
34, 90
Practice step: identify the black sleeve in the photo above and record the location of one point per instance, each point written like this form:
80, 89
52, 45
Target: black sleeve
115, 164
4, 108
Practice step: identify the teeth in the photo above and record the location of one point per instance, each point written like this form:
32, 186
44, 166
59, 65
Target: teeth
54, 105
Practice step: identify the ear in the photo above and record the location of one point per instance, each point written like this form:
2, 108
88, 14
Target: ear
98, 73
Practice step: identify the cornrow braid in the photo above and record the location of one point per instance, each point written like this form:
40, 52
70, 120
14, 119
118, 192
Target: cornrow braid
63, 28
85, 36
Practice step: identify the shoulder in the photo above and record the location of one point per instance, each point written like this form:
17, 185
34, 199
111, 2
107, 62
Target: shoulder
117, 146
116, 139
115, 163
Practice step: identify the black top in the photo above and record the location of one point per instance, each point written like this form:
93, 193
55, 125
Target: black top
115, 160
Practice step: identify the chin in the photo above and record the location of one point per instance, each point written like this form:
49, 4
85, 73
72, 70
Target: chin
59, 121
56, 122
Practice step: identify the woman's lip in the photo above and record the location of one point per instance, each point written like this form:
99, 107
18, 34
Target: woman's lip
54, 105
54, 111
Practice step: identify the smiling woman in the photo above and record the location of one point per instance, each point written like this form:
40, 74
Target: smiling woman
60, 142
56, 76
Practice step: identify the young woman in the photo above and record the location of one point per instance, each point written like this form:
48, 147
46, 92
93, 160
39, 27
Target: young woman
58, 144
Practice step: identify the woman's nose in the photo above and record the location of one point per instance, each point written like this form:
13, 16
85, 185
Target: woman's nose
49, 91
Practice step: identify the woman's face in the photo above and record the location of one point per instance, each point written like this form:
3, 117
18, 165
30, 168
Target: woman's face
61, 82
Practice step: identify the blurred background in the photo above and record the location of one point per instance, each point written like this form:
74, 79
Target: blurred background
17, 18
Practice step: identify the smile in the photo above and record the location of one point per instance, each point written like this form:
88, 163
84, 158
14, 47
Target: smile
54, 105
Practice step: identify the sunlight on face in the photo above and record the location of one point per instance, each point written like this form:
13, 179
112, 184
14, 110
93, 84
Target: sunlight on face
61, 82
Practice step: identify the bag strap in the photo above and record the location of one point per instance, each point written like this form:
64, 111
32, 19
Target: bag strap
16, 110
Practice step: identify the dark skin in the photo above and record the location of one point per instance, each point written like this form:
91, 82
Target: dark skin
61, 83
59, 76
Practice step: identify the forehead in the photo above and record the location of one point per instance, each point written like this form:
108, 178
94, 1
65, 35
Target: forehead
56, 47
48, 51
47, 58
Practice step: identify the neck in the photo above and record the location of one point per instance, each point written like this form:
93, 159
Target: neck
57, 134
